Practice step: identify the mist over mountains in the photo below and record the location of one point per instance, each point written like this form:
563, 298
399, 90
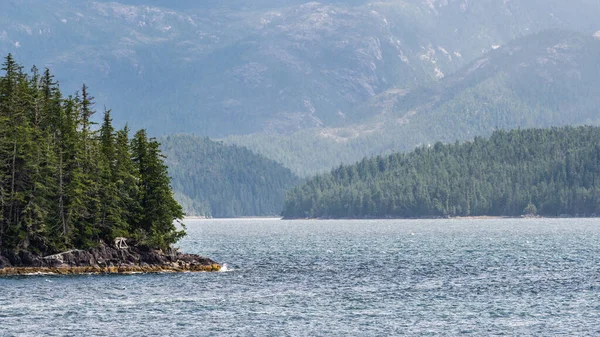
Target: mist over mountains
219, 68
546, 79
215, 180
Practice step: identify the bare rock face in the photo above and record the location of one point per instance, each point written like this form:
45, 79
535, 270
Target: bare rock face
105, 259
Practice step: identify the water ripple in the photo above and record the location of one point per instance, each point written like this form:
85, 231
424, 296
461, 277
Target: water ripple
338, 278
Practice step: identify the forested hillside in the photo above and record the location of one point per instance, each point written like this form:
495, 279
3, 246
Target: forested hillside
66, 183
549, 172
218, 180
546, 79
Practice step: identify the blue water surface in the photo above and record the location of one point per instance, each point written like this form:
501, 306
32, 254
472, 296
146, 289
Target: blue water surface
337, 278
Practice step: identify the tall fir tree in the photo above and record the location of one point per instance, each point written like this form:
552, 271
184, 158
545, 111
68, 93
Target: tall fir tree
112, 221
159, 208
12, 101
126, 178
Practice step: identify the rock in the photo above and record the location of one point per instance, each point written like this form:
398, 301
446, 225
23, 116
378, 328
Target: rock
105, 260
27, 258
4, 262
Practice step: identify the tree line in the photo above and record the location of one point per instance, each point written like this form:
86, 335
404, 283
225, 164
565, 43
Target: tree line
66, 182
550, 172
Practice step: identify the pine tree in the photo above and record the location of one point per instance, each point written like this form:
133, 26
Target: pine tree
112, 221
17, 133
71, 206
159, 208
39, 166
87, 179
126, 182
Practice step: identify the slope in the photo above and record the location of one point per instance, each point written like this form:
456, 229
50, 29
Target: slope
218, 68
213, 179
546, 79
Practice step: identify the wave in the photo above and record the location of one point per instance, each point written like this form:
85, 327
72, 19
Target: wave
225, 269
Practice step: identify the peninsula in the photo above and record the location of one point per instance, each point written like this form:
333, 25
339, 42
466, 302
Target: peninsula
78, 198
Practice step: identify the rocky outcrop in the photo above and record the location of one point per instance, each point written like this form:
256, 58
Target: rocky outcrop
105, 260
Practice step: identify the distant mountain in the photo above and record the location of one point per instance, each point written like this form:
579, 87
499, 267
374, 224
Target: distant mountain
546, 79
219, 68
217, 180
522, 172
551, 78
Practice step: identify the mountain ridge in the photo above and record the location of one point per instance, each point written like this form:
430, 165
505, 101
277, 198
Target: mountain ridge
547, 79
220, 68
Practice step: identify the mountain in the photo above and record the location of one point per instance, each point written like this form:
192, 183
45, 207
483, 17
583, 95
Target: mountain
547, 79
550, 172
219, 68
217, 180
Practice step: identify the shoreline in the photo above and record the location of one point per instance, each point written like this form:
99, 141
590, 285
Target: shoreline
237, 218
476, 217
125, 270
105, 260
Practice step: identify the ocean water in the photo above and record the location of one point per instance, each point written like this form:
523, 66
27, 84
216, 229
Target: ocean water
337, 278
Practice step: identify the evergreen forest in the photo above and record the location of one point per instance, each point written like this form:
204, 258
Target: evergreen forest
216, 180
69, 183
547, 172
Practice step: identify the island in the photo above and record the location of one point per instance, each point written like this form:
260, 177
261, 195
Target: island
79, 197
551, 172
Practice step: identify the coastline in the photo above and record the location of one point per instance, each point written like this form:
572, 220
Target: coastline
30, 271
475, 217
105, 260
237, 218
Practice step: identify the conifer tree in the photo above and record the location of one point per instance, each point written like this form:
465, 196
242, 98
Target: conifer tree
126, 177
38, 212
86, 229
70, 173
16, 137
159, 208
112, 221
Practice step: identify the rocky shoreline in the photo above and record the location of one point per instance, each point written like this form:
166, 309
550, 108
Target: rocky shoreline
105, 260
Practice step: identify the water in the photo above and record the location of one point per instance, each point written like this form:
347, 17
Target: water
339, 278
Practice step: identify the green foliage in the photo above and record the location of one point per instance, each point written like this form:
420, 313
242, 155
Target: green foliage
65, 184
213, 179
159, 208
530, 209
542, 171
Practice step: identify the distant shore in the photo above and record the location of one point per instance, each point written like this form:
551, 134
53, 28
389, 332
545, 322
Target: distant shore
236, 218
476, 217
